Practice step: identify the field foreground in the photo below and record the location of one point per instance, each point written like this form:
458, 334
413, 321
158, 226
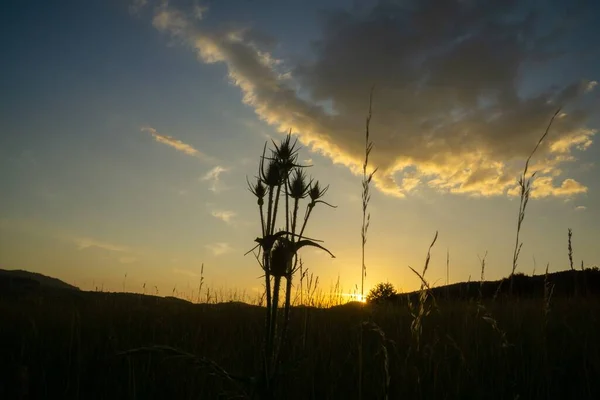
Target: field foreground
68, 344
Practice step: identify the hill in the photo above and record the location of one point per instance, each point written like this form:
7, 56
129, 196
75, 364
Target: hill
22, 280
563, 284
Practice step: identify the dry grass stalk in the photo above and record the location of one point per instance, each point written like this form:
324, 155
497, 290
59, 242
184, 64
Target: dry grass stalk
548, 290
420, 311
366, 194
366, 219
384, 341
525, 183
570, 248
486, 315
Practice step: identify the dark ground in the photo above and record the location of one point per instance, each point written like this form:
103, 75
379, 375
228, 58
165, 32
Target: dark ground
62, 343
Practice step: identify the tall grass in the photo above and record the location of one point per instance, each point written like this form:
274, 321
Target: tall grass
525, 182
423, 308
366, 195
367, 176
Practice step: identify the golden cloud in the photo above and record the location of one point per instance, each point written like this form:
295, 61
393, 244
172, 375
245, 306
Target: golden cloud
448, 113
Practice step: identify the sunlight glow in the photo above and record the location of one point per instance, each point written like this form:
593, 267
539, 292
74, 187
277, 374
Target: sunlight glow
355, 297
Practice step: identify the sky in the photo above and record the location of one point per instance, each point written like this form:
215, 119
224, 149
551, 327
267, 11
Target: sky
128, 128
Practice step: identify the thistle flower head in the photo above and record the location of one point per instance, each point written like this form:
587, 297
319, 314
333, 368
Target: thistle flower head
298, 186
259, 190
316, 192
273, 176
286, 152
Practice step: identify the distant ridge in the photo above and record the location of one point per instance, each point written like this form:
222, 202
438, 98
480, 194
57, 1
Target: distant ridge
564, 283
18, 279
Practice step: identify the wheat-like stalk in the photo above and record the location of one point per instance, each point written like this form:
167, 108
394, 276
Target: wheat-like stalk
525, 183
366, 219
548, 290
570, 248
422, 309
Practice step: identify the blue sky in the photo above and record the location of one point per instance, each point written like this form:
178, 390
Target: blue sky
127, 130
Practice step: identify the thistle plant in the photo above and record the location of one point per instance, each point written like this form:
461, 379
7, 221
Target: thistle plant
283, 183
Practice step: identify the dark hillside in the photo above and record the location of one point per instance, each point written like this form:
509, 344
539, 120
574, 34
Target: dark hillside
564, 283
19, 280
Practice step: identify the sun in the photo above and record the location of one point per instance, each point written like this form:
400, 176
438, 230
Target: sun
357, 297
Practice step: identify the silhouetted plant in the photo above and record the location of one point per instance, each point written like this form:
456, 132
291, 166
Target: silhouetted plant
548, 290
485, 314
570, 248
382, 292
366, 219
525, 184
419, 311
570, 254
366, 194
281, 179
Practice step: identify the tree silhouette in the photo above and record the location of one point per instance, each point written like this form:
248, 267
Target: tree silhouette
383, 291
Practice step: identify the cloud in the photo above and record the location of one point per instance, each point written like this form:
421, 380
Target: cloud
213, 176
543, 187
123, 254
580, 208
219, 248
580, 139
224, 215
86, 243
590, 86
451, 111
176, 144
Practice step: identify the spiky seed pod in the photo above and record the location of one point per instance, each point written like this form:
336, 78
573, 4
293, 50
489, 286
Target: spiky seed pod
282, 255
259, 190
273, 176
298, 187
286, 152
316, 192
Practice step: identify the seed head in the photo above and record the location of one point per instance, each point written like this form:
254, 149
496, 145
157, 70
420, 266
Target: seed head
298, 187
316, 192
259, 190
273, 176
286, 152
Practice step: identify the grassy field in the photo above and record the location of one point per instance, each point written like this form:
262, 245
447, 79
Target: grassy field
68, 344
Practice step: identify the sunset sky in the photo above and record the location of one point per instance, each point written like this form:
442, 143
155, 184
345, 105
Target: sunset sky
127, 130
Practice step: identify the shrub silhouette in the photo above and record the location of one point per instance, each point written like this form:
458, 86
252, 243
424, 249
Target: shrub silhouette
383, 291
